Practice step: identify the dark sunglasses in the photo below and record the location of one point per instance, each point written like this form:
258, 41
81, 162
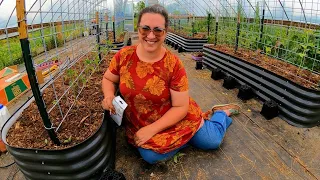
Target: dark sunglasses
146, 30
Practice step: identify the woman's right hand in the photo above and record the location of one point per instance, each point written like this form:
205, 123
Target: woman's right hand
107, 104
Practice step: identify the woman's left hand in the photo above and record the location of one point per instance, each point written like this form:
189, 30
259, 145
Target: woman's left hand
143, 135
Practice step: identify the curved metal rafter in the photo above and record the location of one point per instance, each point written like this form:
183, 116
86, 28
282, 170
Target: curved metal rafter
222, 7
182, 6
199, 9
283, 9
268, 8
304, 14
252, 6
235, 12
241, 8
215, 7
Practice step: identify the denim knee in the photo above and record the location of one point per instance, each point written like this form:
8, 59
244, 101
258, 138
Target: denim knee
150, 156
214, 143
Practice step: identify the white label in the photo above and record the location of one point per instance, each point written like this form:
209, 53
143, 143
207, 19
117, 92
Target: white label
120, 105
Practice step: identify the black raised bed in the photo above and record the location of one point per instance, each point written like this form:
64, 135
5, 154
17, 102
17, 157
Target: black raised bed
117, 45
185, 45
298, 105
85, 161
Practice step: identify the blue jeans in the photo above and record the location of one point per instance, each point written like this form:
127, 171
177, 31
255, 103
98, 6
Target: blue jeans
209, 136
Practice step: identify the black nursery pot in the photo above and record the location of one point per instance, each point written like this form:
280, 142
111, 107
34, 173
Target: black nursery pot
129, 43
229, 82
217, 74
85, 161
180, 49
176, 46
199, 65
270, 109
245, 92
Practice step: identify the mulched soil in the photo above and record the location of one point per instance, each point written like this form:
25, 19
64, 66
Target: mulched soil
200, 35
120, 38
197, 54
83, 120
300, 76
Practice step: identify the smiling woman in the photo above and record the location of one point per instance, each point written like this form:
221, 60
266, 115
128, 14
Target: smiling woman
152, 33
161, 118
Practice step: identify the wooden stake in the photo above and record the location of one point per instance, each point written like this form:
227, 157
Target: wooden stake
22, 21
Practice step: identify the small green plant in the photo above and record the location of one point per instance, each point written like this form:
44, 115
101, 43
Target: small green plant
87, 63
72, 75
83, 80
96, 63
67, 141
54, 102
177, 156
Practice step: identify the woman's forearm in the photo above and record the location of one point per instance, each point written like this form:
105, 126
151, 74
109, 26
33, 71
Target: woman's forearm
170, 118
107, 87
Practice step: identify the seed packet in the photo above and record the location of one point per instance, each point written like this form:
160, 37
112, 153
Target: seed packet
120, 105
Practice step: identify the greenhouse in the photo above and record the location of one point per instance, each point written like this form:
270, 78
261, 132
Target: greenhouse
159, 89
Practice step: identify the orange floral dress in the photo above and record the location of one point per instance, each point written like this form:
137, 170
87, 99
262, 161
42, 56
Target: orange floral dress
146, 89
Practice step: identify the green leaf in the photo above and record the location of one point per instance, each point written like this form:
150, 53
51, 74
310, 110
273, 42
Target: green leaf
301, 55
175, 159
46, 141
70, 139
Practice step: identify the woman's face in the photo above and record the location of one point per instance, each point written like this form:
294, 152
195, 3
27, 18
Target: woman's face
152, 40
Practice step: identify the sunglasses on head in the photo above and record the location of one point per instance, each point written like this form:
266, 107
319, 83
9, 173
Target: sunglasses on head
146, 30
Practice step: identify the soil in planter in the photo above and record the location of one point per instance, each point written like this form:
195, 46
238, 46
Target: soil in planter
197, 54
200, 35
83, 120
120, 38
300, 76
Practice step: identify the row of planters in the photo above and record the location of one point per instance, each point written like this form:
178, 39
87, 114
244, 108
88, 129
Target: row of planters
184, 39
183, 44
292, 94
287, 91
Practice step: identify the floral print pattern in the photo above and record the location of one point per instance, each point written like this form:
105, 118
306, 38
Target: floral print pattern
146, 89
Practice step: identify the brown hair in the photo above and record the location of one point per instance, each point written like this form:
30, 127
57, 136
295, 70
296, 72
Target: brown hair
157, 9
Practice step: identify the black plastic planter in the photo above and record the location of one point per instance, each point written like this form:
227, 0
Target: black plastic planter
229, 82
217, 74
245, 92
84, 161
270, 109
298, 105
129, 43
199, 65
187, 45
117, 46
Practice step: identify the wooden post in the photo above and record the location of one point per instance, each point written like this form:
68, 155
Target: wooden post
59, 31
23, 35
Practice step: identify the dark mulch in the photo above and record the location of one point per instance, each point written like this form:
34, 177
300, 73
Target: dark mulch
83, 120
300, 76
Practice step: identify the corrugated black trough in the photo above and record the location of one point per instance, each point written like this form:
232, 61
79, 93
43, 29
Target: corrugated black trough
85, 161
297, 105
184, 44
